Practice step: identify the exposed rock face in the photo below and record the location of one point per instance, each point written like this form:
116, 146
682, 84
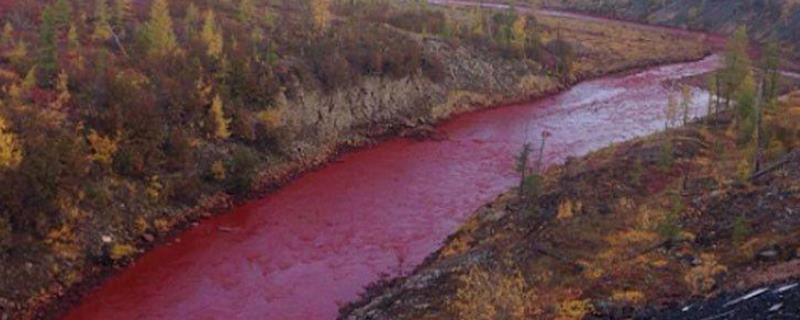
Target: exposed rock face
318, 121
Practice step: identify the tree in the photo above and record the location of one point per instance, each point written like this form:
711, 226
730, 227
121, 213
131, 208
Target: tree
671, 111
48, 48
686, 102
62, 13
10, 152
565, 54
7, 35
320, 14
122, 13
245, 11
102, 28
191, 19
212, 35
737, 63
158, 33
221, 123
519, 35
73, 40
771, 64
521, 165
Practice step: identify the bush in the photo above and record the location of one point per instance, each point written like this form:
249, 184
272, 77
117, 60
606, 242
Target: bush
242, 170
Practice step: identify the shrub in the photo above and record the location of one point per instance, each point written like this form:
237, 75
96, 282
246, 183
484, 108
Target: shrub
492, 295
242, 170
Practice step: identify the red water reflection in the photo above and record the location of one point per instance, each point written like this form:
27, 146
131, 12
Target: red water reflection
318, 241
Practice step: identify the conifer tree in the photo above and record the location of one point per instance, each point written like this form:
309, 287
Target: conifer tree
158, 32
737, 63
221, 123
7, 35
245, 11
320, 14
102, 28
771, 63
48, 48
519, 35
191, 19
62, 13
10, 151
122, 13
73, 40
212, 35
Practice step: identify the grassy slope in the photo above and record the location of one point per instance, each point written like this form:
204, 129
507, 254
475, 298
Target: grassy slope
633, 225
765, 19
40, 266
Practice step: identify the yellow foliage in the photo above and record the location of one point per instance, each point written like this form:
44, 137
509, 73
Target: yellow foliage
631, 237
701, 279
221, 123
62, 88
7, 35
518, 32
212, 35
141, 225
272, 117
574, 309
630, 296
565, 209
62, 242
158, 31
218, 170
10, 151
162, 225
321, 14
154, 188
489, 295
121, 251
103, 148
591, 271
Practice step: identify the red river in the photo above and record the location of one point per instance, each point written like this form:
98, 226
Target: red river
301, 251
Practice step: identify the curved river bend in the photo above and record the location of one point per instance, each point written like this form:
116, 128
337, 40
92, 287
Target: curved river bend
299, 252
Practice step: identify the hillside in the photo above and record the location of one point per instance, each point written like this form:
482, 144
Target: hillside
765, 19
122, 122
658, 222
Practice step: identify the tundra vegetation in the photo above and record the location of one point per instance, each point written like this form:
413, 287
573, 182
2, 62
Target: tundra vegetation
122, 120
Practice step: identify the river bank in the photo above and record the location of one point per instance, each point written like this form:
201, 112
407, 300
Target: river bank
653, 223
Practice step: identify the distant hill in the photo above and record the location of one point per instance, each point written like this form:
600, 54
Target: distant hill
764, 18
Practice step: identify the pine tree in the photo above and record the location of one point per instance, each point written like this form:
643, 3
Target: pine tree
519, 35
73, 40
158, 32
102, 28
221, 123
10, 151
62, 13
771, 64
48, 48
737, 63
7, 35
212, 35
245, 11
320, 14
62, 89
122, 13
191, 19
686, 102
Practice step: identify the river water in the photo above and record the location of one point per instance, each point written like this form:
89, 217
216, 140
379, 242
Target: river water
299, 252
